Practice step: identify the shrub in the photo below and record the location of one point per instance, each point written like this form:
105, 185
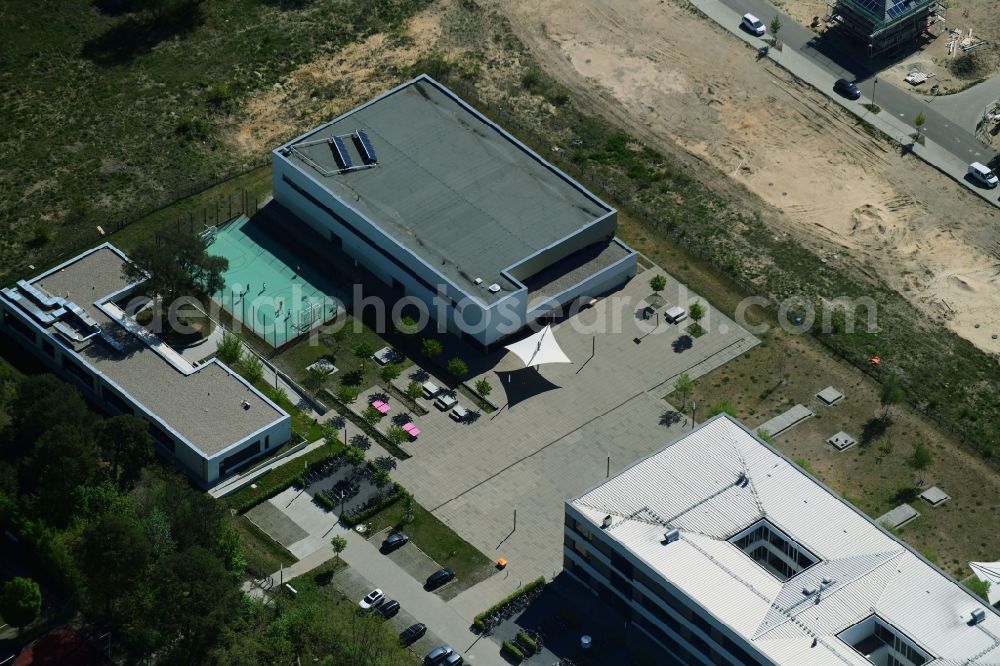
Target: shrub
252, 369
531, 78
229, 349
512, 651
324, 501
658, 282
529, 644
396, 435
458, 368
366, 514
372, 415
346, 394
431, 348
483, 387
389, 372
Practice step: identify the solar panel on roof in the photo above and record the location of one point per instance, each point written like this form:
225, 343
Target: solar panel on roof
367, 151
340, 153
899, 7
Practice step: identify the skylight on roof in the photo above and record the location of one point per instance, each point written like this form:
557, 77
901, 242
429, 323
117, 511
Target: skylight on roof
882, 644
776, 552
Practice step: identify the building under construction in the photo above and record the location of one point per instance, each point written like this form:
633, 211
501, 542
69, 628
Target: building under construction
884, 26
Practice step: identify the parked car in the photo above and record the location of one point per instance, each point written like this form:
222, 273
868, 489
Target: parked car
412, 633
847, 89
389, 608
394, 541
437, 655
753, 25
372, 600
453, 659
676, 314
983, 175
440, 577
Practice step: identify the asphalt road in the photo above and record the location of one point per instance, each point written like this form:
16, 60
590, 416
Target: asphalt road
943, 130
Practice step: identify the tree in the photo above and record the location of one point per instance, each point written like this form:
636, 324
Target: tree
658, 282
431, 348
390, 371
775, 29
229, 349
20, 602
396, 435
458, 368
42, 402
252, 369
339, 543
371, 414
919, 122
920, 461
381, 478
63, 460
354, 456
347, 394
892, 393
684, 388
316, 375
363, 351
175, 263
113, 556
406, 326
406, 501
127, 447
483, 387
979, 587
414, 390
696, 311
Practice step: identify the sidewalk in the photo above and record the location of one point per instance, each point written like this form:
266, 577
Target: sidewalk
441, 618
812, 73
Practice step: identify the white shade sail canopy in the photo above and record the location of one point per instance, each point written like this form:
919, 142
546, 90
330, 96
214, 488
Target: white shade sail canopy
539, 348
989, 572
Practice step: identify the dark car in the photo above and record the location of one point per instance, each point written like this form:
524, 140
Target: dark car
847, 89
389, 608
394, 541
437, 655
412, 633
440, 577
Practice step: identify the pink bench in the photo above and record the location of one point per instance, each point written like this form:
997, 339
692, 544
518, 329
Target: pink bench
412, 430
381, 406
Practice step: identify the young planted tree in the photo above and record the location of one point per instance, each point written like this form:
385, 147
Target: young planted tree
775, 27
458, 368
920, 461
252, 368
684, 388
919, 123
396, 435
696, 311
406, 326
363, 351
722, 407
338, 543
354, 456
483, 387
658, 282
892, 393
414, 390
406, 501
315, 376
20, 602
389, 372
431, 348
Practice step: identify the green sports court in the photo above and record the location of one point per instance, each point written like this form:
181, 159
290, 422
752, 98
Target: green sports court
268, 287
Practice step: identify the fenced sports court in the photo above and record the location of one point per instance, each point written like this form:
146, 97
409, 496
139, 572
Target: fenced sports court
268, 287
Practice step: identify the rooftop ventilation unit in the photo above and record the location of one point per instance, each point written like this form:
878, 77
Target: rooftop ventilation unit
478, 280
976, 616
494, 288
743, 480
606, 523
670, 536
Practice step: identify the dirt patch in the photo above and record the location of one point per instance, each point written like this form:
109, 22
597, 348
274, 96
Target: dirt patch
667, 73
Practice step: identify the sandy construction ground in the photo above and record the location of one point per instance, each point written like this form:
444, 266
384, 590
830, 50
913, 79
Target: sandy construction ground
673, 78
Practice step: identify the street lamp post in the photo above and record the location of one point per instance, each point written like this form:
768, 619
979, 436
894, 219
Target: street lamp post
874, 87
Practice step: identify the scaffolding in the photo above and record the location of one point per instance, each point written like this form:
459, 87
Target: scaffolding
885, 26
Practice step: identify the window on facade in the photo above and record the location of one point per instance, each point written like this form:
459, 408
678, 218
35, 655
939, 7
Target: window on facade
74, 369
16, 324
48, 348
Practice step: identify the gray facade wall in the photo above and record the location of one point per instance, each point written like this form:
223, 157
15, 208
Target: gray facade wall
598, 283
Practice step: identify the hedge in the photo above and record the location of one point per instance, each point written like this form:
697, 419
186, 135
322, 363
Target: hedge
512, 651
530, 646
277, 488
361, 516
525, 589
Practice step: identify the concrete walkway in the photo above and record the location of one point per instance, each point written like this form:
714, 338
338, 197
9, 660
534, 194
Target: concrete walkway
967, 107
364, 557
234, 483
948, 147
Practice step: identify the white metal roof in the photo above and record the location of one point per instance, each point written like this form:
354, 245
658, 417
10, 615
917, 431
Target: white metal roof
694, 485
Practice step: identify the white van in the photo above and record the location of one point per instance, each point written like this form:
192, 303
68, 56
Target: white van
983, 175
753, 25
676, 314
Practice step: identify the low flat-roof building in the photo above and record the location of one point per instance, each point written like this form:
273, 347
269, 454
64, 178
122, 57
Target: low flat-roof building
437, 200
726, 552
206, 418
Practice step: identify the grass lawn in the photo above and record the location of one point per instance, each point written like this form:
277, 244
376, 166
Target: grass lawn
439, 542
263, 554
106, 113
